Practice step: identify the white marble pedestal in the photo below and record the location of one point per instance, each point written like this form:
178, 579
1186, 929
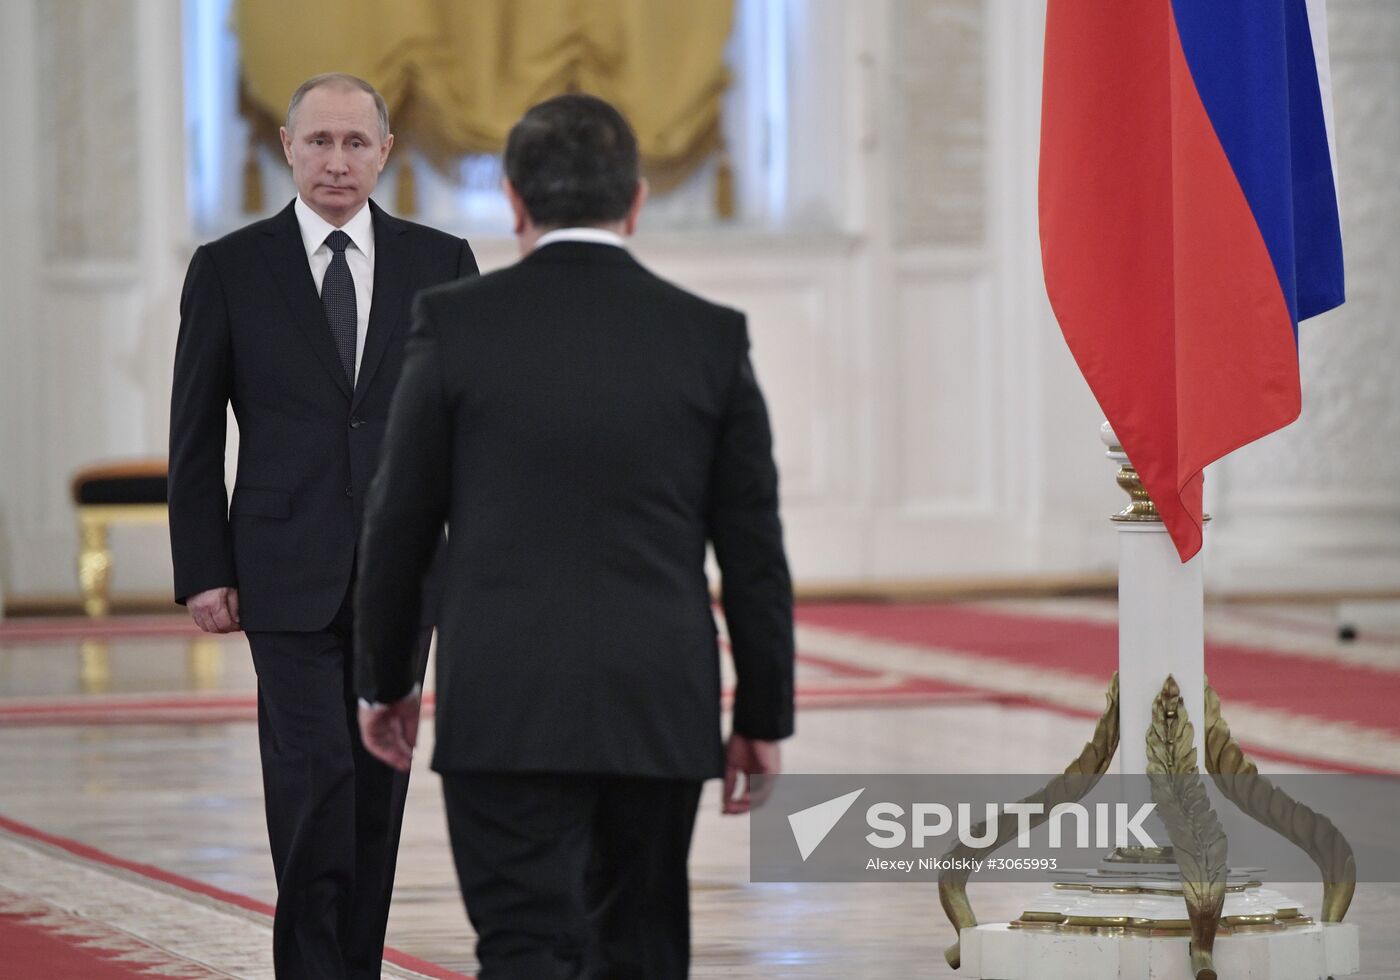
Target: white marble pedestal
1312, 952
1130, 922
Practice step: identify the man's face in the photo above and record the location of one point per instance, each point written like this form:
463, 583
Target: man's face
335, 151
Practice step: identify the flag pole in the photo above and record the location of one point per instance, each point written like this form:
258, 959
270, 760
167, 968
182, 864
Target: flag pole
1161, 618
1154, 913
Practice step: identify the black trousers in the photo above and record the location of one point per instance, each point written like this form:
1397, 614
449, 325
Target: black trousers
334, 812
574, 876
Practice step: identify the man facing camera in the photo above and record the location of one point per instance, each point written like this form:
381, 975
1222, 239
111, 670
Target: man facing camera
299, 322
584, 428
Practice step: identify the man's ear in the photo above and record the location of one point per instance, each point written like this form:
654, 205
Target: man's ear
384, 149
517, 206
638, 199
286, 143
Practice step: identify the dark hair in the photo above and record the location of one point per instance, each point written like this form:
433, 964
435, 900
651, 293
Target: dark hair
573, 161
339, 79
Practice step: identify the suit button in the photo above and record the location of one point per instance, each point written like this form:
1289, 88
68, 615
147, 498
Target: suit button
349, 491
356, 422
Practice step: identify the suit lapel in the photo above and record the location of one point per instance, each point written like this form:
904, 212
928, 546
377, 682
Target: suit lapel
391, 264
286, 256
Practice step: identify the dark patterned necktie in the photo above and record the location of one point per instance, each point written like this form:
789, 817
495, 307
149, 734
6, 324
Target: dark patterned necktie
338, 297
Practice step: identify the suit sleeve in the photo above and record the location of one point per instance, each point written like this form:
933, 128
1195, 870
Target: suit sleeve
202, 383
756, 589
407, 506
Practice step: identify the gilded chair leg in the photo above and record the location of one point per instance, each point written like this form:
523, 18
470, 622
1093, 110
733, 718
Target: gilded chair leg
94, 567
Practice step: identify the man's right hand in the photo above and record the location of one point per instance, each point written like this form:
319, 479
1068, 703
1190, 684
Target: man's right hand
215, 610
745, 758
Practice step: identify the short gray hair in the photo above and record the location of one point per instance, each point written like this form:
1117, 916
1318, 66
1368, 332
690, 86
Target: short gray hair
342, 80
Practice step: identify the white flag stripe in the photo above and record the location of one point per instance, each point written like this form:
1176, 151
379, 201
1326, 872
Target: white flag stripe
1317, 27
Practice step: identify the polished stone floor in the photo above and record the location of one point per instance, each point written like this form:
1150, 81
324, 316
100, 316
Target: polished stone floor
186, 797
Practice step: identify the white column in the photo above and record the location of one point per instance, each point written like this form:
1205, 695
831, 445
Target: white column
1161, 626
1160, 632
20, 334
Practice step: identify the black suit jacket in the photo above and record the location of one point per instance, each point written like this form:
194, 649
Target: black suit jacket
253, 334
584, 428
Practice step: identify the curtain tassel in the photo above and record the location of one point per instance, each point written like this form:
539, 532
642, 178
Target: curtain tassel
406, 187
252, 178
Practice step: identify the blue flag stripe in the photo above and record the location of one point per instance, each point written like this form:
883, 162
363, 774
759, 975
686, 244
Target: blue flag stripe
1254, 67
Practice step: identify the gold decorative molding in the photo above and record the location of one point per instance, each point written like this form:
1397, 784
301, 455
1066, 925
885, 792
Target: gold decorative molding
1119, 925
1141, 855
1195, 831
1259, 798
1141, 509
1079, 777
1178, 892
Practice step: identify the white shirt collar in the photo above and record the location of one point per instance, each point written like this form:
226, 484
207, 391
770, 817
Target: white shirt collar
315, 228
594, 236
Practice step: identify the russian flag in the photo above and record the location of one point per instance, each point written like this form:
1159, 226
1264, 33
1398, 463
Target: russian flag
1188, 221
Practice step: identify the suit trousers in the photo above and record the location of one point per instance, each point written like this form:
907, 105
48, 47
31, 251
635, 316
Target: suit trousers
334, 812
574, 876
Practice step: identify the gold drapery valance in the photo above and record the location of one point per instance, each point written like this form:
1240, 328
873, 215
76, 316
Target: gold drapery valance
457, 74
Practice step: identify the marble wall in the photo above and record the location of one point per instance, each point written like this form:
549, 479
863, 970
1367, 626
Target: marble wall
930, 423
88, 122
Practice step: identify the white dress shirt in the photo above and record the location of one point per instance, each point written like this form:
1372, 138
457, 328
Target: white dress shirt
596, 236
359, 255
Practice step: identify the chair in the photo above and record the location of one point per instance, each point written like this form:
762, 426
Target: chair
126, 492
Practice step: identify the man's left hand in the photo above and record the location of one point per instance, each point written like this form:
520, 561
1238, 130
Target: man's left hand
390, 731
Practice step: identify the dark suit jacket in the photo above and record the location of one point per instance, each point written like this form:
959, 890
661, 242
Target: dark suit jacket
253, 333
584, 428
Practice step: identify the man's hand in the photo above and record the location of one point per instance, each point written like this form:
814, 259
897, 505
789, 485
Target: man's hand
749, 757
215, 610
390, 731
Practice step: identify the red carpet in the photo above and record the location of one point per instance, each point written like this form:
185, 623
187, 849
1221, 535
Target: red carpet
32, 950
55, 947
1241, 674
68, 910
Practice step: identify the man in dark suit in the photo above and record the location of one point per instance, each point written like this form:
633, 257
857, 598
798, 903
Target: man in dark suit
299, 322
584, 428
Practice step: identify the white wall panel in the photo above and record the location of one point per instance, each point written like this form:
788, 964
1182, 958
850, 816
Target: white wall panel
807, 332
94, 197
796, 302
945, 407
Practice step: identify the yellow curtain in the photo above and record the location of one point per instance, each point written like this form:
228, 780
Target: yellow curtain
457, 74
